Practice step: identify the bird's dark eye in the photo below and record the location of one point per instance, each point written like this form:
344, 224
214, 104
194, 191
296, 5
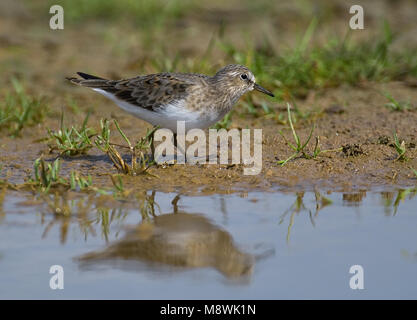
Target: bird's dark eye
243, 76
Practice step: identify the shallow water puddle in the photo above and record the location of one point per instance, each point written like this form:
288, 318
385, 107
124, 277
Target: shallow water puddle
254, 246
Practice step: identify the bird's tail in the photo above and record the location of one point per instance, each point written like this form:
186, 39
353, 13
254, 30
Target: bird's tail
88, 80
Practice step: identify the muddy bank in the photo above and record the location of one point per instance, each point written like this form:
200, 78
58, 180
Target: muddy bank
355, 119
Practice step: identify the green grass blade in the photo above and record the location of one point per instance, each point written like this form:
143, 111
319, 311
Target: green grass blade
122, 134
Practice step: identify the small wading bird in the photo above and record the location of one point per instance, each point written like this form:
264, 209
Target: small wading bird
162, 99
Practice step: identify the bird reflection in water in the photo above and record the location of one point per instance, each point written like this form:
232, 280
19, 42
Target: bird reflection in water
178, 239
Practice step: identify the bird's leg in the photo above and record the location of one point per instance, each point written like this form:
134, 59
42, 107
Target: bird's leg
175, 145
153, 144
175, 140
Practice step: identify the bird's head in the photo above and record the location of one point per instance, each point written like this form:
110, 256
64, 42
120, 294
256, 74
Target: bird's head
237, 80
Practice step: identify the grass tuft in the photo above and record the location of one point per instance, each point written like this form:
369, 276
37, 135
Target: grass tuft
19, 110
296, 70
145, 14
395, 105
400, 148
47, 175
71, 141
139, 150
299, 147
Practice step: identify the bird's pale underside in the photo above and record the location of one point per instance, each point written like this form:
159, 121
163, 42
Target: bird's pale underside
163, 99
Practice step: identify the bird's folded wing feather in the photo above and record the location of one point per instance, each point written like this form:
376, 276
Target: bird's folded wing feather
151, 92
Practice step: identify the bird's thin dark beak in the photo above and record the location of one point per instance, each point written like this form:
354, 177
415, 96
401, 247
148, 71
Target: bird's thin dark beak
263, 90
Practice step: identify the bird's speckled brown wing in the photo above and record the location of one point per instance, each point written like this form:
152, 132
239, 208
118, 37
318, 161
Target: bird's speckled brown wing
151, 92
